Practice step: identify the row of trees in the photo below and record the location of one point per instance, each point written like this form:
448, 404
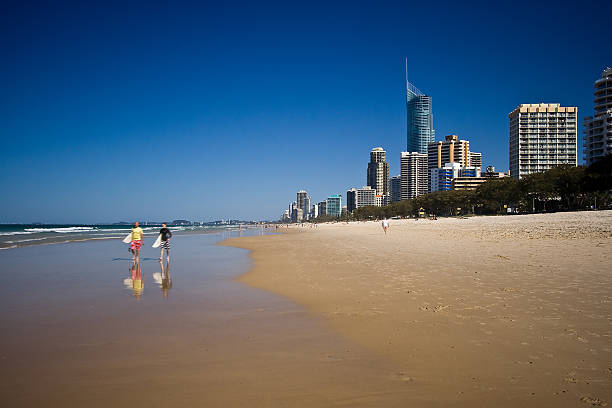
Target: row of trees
562, 188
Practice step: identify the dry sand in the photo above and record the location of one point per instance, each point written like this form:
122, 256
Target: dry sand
483, 311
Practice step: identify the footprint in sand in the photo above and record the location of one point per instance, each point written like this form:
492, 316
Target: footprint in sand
595, 402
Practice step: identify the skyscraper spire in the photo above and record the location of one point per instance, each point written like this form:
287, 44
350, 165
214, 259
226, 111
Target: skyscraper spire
419, 118
406, 76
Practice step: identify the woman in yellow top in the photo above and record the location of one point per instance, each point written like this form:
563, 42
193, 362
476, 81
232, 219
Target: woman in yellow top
137, 241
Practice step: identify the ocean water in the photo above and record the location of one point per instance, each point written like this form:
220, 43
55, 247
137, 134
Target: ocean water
19, 235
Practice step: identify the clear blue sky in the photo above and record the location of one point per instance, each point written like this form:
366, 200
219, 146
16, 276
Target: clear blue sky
159, 110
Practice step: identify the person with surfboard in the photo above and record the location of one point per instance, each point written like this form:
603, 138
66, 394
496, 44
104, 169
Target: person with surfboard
136, 241
164, 236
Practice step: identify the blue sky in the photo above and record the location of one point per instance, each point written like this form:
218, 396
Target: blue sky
160, 110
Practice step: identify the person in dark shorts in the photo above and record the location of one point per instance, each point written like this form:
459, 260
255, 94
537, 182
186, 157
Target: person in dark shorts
166, 234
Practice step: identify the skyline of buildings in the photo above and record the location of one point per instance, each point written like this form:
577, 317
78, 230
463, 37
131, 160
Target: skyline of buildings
542, 136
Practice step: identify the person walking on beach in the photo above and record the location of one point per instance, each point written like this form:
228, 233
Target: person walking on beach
385, 225
136, 243
166, 234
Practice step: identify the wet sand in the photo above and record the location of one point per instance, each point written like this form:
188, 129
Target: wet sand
76, 333
486, 311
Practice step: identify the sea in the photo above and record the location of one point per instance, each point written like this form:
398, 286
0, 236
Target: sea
18, 235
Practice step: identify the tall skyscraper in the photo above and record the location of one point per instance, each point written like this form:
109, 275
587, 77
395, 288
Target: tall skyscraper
598, 128
378, 171
413, 175
396, 188
419, 118
542, 136
303, 203
351, 200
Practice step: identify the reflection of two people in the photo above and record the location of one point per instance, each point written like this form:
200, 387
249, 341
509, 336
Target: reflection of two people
136, 280
163, 278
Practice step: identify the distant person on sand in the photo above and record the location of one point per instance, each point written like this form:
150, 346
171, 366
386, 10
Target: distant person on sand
385, 225
166, 234
137, 241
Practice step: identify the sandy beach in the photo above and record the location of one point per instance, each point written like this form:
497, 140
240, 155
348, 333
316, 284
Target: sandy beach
481, 311
78, 332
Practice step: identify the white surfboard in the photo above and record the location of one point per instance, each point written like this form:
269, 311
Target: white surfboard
157, 242
128, 238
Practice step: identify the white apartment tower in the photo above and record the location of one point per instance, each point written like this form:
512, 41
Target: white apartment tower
598, 128
413, 175
542, 136
365, 196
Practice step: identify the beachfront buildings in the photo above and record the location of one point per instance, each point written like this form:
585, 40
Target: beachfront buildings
476, 160
297, 215
413, 175
598, 128
365, 196
451, 150
396, 188
419, 120
490, 173
322, 208
314, 211
378, 171
442, 178
334, 205
351, 200
542, 136
303, 203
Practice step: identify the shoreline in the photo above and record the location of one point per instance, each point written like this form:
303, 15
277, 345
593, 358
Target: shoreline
54, 240
187, 332
531, 293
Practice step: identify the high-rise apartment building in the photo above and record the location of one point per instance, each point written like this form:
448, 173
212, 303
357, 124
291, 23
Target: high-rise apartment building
451, 150
322, 208
413, 175
297, 215
598, 128
396, 188
366, 196
351, 200
419, 119
378, 171
314, 211
542, 136
334, 205
303, 203
476, 160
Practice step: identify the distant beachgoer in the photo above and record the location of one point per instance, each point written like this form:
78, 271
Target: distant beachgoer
137, 241
166, 234
385, 225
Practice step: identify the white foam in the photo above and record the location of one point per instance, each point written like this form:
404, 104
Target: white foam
60, 230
